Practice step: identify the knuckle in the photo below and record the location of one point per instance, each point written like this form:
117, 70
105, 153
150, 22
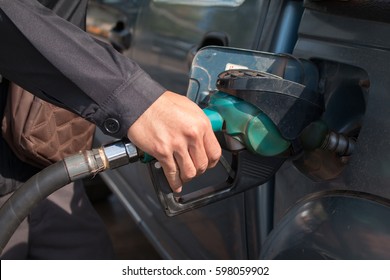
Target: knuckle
171, 173
188, 174
178, 146
192, 132
214, 158
202, 167
216, 155
198, 128
162, 152
172, 177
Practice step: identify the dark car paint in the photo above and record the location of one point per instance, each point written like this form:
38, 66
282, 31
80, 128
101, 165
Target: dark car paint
352, 55
332, 225
163, 38
113, 21
167, 34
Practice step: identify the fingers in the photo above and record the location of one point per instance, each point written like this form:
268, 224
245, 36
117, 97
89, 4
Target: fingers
190, 157
188, 170
199, 158
212, 149
181, 168
179, 135
172, 173
185, 164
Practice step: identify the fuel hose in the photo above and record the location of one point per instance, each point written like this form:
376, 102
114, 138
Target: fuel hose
38, 187
21, 202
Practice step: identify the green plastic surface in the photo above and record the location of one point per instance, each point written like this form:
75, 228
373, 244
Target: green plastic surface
247, 123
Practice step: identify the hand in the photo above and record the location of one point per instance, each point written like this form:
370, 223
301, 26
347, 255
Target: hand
178, 134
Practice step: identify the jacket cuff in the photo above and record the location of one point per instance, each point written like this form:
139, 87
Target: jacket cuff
127, 103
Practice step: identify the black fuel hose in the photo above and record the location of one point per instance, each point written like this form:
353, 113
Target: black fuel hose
75, 167
23, 200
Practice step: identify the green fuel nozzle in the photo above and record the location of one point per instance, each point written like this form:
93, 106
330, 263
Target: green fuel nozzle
246, 123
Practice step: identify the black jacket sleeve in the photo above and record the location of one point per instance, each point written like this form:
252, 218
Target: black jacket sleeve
61, 63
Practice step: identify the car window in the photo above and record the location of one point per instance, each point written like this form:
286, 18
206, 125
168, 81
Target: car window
230, 3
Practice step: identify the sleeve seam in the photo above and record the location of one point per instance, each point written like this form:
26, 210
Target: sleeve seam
120, 89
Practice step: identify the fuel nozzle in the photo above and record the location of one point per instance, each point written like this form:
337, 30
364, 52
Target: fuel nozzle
318, 136
289, 105
270, 115
264, 112
245, 123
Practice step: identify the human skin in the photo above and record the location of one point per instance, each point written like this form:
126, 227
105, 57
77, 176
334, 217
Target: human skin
178, 134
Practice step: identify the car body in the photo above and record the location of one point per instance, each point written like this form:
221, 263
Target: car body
316, 198
113, 21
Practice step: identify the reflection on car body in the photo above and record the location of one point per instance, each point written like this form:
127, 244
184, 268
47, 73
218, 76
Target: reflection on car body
310, 202
113, 21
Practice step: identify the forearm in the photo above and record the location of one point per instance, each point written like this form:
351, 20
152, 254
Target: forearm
58, 61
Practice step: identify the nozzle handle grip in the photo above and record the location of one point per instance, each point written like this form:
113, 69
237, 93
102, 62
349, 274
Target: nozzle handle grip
247, 171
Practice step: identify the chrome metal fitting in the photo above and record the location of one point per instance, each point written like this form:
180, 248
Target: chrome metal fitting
85, 164
342, 145
120, 153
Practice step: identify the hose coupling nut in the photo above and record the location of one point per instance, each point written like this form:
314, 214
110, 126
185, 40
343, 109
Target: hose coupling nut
120, 153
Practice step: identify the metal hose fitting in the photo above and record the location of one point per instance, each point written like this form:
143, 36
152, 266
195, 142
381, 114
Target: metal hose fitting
85, 164
120, 153
113, 155
342, 145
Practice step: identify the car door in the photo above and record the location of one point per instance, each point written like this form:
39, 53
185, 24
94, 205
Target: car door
167, 36
345, 40
113, 21
317, 197
169, 32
